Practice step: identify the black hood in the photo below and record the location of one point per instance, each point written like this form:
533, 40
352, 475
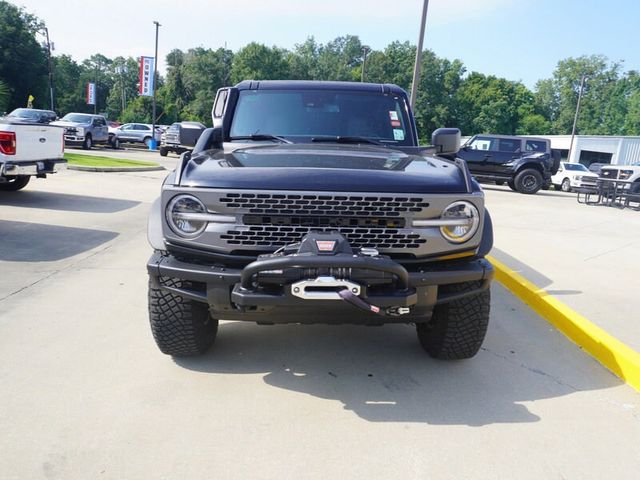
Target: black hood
315, 167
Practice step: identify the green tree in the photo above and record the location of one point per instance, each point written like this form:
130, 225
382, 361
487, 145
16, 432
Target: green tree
4, 96
557, 97
69, 91
23, 63
259, 62
124, 75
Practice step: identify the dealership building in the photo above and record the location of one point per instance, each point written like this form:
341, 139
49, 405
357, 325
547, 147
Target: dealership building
588, 149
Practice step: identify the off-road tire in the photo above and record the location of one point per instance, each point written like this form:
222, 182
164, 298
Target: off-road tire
565, 186
15, 184
163, 152
179, 326
512, 185
87, 143
528, 181
457, 328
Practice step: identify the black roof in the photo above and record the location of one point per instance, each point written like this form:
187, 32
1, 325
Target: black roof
319, 85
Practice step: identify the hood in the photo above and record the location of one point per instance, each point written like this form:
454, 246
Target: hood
322, 167
65, 123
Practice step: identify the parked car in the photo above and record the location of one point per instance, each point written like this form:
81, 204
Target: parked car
573, 175
597, 167
84, 129
33, 115
180, 137
311, 202
629, 173
28, 149
526, 164
136, 133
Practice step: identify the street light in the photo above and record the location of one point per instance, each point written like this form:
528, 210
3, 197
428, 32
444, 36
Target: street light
152, 144
416, 67
575, 118
365, 51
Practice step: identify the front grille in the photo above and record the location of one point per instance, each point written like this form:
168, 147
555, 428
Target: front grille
278, 236
589, 180
324, 205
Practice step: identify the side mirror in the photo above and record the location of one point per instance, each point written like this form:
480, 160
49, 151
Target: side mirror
210, 139
446, 140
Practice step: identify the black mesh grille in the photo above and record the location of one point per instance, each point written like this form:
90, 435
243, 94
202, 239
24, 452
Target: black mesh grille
278, 236
326, 205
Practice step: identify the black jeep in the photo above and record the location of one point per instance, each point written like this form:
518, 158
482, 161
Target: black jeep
526, 164
310, 202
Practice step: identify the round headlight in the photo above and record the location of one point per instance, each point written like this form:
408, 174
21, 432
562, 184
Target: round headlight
180, 215
461, 222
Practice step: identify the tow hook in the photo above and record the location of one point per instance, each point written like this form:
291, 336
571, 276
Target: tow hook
356, 301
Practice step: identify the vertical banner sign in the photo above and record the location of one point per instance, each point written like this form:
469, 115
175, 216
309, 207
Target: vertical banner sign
146, 76
91, 93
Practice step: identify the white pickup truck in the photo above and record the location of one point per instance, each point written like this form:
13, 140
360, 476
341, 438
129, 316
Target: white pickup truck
28, 150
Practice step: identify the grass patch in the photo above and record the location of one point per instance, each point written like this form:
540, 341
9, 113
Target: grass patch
97, 161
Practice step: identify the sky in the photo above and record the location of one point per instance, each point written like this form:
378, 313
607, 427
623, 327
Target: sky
519, 40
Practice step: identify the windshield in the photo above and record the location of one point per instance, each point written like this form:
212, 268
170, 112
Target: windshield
77, 117
575, 166
25, 113
306, 114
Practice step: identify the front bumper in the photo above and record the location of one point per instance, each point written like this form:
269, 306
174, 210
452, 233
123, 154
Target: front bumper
73, 139
40, 167
230, 295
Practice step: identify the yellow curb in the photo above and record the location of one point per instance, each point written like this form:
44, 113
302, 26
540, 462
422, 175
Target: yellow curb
609, 351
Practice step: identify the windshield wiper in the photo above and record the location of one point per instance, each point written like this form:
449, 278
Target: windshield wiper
262, 136
343, 139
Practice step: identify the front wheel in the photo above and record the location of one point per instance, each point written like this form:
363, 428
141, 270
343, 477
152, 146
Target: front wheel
512, 185
88, 143
14, 184
115, 143
457, 328
566, 185
528, 181
179, 326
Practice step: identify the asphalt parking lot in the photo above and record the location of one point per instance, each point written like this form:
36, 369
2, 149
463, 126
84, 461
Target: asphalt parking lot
86, 394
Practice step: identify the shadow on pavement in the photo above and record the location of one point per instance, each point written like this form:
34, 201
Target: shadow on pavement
65, 202
383, 375
37, 242
542, 193
531, 274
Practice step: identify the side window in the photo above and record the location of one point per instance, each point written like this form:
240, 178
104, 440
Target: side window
511, 145
484, 143
535, 146
221, 100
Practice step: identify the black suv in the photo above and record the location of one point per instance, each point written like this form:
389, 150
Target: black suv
309, 202
526, 164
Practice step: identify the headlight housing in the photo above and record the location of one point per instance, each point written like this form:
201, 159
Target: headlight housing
624, 174
180, 215
462, 222
79, 131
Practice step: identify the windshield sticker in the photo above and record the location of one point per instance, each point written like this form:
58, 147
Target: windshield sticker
393, 115
396, 123
398, 134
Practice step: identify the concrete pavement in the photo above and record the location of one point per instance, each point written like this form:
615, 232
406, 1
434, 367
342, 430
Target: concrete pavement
586, 256
86, 393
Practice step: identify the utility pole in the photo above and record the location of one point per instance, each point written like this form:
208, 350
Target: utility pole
418, 64
575, 118
153, 145
46, 32
365, 50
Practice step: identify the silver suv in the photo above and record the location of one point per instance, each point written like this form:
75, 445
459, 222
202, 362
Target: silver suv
136, 133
